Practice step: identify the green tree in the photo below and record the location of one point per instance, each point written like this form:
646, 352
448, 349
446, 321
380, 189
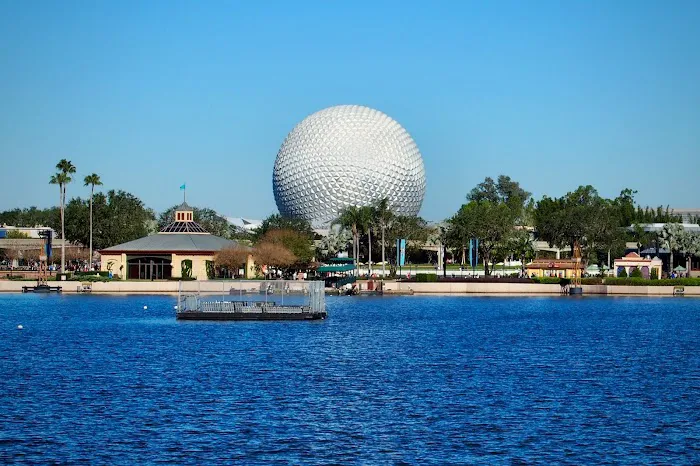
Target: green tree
492, 211
625, 204
32, 217
92, 181
62, 178
186, 266
278, 222
384, 216
520, 246
412, 228
458, 234
352, 218
118, 217
367, 221
491, 223
565, 221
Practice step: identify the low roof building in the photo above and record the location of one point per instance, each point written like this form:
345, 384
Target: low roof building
563, 268
181, 249
633, 261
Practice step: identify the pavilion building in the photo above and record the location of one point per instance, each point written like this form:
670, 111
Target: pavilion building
647, 266
182, 249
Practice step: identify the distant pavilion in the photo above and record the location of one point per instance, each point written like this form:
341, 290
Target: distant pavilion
168, 253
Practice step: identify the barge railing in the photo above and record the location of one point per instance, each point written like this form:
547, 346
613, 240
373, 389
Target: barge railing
252, 296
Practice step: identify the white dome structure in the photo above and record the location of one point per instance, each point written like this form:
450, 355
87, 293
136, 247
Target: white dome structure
343, 156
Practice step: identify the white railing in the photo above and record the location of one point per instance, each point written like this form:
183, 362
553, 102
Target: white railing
252, 296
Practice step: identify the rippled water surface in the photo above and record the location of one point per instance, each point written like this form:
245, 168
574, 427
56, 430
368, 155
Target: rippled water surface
384, 380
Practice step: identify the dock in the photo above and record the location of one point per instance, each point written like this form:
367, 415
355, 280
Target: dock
42, 289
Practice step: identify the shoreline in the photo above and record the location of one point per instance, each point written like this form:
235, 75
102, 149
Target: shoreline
392, 288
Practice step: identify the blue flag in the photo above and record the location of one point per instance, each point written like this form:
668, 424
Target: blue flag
182, 187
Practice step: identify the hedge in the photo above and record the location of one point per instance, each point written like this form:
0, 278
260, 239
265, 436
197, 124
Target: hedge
92, 274
547, 280
426, 277
647, 282
95, 278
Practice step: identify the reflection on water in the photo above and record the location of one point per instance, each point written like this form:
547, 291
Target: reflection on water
383, 380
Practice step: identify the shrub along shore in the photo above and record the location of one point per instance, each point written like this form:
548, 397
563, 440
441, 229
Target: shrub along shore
512, 287
612, 281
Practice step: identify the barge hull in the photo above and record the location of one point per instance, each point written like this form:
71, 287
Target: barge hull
249, 316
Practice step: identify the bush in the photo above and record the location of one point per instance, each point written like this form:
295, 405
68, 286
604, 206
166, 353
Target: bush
186, 268
592, 281
92, 274
547, 280
645, 282
426, 277
95, 278
622, 274
654, 274
636, 273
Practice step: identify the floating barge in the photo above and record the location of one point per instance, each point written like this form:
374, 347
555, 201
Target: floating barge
42, 289
311, 294
247, 310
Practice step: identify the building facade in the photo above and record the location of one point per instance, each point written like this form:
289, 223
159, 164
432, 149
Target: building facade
182, 249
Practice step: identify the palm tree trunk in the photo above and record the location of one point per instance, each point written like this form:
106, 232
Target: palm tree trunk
369, 240
357, 249
63, 229
383, 259
354, 248
92, 194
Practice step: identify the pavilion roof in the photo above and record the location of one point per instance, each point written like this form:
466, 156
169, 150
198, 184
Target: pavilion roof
172, 243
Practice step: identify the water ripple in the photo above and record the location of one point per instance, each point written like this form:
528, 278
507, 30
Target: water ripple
406, 380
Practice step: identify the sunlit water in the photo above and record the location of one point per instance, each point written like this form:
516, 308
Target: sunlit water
384, 380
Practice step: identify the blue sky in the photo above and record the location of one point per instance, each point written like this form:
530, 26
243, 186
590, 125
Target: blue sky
153, 94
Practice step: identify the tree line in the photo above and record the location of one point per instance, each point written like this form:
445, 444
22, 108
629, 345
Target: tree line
499, 213
506, 220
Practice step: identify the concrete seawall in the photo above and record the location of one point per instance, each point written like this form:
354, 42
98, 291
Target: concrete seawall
533, 289
216, 287
145, 287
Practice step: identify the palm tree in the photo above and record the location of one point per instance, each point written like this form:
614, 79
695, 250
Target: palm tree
351, 217
367, 216
92, 181
62, 178
383, 216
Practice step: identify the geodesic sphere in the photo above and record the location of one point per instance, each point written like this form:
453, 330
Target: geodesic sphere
343, 156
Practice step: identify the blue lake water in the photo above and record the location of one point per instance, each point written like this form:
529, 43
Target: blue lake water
430, 380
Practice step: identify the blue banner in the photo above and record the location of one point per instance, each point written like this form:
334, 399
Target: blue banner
474, 252
402, 253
